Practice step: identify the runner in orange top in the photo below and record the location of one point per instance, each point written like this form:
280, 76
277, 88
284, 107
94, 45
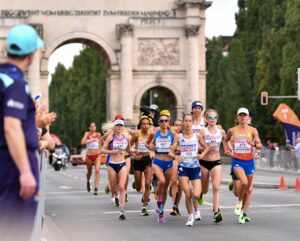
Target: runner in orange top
91, 140
244, 138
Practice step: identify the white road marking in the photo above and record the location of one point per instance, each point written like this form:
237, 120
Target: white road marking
65, 187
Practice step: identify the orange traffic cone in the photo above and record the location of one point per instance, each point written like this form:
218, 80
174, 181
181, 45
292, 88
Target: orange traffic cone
282, 185
297, 186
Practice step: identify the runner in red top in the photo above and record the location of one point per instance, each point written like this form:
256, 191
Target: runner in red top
91, 140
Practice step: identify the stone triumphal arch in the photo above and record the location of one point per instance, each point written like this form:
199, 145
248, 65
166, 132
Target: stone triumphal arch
147, 43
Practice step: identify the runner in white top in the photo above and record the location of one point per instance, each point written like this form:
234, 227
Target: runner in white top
189, 167
198, 120
211, 162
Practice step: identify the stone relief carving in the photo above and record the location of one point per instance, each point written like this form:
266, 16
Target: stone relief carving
153, 52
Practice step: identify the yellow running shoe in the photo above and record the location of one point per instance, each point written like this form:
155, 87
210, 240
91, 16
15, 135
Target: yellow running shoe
201, 199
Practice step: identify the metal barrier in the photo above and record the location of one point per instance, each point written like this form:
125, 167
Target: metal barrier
39, 219
279, 159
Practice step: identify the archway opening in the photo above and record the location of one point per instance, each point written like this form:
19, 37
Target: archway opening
78, 92
162, 97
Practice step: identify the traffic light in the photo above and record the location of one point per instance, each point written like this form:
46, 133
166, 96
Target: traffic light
264, 98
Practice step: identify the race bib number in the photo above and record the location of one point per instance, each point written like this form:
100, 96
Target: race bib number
242, 148
163, 145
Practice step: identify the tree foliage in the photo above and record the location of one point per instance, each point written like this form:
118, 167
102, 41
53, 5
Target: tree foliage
263, 56
78, 96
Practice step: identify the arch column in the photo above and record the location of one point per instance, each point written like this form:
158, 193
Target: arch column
125, 33
34, 74
192, 32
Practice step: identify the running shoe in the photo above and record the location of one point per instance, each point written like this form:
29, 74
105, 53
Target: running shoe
106, 190
170, 191
241, 219
95, 191
122, 216
117, 202
201, 199
161, 218
126, 198
238, 209
144, 212
247, 219
133, 184
197, 216
218, 217
175, 211
230, 185
190, 221
88, 187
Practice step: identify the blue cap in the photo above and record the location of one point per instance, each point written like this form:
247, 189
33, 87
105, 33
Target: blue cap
23, 40
197, 103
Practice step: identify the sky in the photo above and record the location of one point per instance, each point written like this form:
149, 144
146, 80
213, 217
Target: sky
220, 20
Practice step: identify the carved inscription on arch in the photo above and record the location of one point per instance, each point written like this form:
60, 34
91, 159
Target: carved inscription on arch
158, 51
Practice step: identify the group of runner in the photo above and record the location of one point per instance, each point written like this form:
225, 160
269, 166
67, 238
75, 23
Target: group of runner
183, 158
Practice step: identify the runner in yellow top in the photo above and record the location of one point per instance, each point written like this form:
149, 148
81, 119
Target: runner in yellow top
244, 138
142, 161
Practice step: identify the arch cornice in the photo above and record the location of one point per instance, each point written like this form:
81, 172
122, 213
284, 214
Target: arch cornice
141, 91
78, 35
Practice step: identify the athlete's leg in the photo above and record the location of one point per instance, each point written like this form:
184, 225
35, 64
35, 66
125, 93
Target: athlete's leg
122, 176
113, 180
97, 172
89, 167
168, 176
204, 179
216, 175
240, 173
248, 194
148, 180
184, 184
138, 180
160, 180
174, 182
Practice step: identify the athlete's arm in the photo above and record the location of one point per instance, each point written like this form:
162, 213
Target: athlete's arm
257, 140
84, 139
225, 144
173, 147
149, 143
202, 143
104, 148
16, 144
227, 140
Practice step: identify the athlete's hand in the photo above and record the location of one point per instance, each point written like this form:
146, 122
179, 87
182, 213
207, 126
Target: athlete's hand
228, 153
27, 185
251, 143
199, 156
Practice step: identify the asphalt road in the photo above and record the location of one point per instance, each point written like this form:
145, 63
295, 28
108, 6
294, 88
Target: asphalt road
72, 214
